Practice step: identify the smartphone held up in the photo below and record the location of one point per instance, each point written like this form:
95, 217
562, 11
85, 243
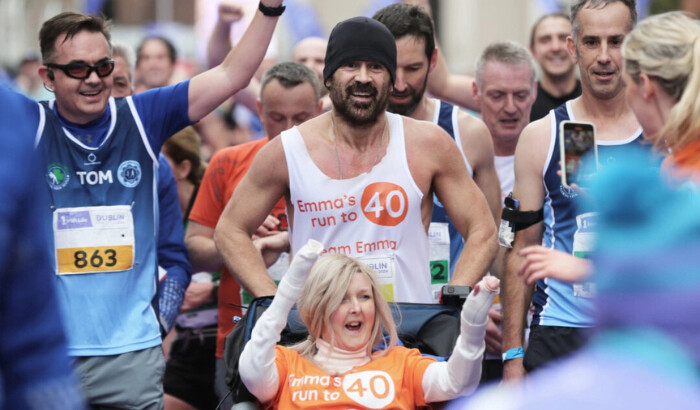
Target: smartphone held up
579, 153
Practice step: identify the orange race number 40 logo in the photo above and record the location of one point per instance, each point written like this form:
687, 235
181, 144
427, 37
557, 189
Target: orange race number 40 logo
385, 203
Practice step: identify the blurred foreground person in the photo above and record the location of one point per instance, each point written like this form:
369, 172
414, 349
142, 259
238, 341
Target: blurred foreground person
646, 345
35, 371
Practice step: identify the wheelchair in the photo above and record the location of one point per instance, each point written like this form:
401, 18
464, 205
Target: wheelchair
431, 328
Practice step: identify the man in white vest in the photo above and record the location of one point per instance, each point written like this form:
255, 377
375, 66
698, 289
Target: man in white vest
360, 180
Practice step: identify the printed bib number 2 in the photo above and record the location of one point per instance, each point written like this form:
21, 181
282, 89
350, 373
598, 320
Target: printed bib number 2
439, 272
439, 235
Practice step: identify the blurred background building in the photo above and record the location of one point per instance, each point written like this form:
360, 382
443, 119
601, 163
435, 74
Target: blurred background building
464, 26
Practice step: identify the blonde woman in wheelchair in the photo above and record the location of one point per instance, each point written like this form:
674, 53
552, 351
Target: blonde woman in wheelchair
347, 362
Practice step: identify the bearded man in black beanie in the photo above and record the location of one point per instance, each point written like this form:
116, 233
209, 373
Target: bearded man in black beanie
361, 181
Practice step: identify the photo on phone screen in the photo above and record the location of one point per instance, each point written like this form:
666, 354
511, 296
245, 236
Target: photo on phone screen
579, 154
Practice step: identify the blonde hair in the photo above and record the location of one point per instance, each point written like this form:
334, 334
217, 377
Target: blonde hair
666, 48
323, 292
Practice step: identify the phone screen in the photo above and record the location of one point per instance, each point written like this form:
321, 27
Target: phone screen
579, 153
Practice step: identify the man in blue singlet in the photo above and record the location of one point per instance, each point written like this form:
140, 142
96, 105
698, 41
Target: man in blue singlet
99, 158
416, 57
563, 310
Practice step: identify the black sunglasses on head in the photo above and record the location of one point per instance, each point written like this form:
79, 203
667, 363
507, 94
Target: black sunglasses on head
82, 71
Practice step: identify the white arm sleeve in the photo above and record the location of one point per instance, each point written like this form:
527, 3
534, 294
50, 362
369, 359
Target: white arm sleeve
461, 373
257, 361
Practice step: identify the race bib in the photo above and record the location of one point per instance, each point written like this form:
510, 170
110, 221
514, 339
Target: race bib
384, 266
439, 237
584, 238
93, 239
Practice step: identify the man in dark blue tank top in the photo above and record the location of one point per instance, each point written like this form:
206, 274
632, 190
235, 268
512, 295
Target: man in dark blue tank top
563, 310
416, 57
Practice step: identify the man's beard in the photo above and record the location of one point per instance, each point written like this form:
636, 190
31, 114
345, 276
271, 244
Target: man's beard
408, 107
359, 114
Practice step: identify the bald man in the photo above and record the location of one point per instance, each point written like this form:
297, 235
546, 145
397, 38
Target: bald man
311, 52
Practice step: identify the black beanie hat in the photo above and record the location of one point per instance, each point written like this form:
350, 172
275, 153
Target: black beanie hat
360, 39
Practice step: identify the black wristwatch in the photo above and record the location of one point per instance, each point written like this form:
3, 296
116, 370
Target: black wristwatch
271, 11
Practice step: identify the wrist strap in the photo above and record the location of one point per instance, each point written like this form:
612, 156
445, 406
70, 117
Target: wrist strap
514, 353
271, 11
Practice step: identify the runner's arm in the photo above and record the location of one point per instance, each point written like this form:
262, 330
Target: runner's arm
211, 88
203, 253
478, 147
516, 296
461, 373
255, 196
454, 188
455, 88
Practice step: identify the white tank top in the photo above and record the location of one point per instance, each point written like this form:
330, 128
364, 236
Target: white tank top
375, 216
506, 173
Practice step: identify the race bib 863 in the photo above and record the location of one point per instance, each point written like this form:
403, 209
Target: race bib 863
93, 239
